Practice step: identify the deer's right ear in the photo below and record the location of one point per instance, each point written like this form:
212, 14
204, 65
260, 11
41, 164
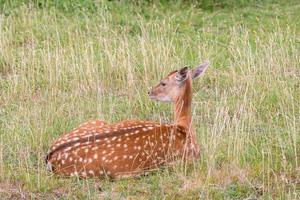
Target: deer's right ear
200, 69
181, 75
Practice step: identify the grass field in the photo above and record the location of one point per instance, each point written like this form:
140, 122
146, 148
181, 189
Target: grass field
64, 63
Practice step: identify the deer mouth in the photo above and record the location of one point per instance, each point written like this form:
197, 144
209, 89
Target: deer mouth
160, 98
152, 97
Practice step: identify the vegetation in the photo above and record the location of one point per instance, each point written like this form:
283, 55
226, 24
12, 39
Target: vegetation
65, 62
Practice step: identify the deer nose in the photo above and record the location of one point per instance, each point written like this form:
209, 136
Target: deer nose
149, 90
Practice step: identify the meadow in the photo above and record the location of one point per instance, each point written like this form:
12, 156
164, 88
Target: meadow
66, 62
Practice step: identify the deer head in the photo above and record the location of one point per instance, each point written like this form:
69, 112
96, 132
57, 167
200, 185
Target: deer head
173, 86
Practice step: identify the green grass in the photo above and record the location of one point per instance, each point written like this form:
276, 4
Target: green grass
62, 64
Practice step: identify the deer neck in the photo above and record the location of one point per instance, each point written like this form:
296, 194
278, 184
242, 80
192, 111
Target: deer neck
183, 117
182, 104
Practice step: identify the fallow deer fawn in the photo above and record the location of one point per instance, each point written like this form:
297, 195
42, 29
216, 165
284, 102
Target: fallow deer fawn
132, 147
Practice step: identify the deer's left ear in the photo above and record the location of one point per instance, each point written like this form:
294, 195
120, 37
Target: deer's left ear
182, 74
199, 70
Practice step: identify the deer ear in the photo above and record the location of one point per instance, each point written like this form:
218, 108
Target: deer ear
182, 74
199, 70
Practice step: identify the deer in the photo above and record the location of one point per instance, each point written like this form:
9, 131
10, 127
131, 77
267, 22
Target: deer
132, 147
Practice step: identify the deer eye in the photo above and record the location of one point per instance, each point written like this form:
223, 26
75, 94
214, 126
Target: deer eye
163, 84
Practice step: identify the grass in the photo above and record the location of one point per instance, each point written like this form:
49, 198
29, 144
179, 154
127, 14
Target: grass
63, 64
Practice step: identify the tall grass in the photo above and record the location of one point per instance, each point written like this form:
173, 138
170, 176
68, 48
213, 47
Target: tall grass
58, 70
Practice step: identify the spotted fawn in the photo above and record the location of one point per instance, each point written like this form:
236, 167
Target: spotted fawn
132, 147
